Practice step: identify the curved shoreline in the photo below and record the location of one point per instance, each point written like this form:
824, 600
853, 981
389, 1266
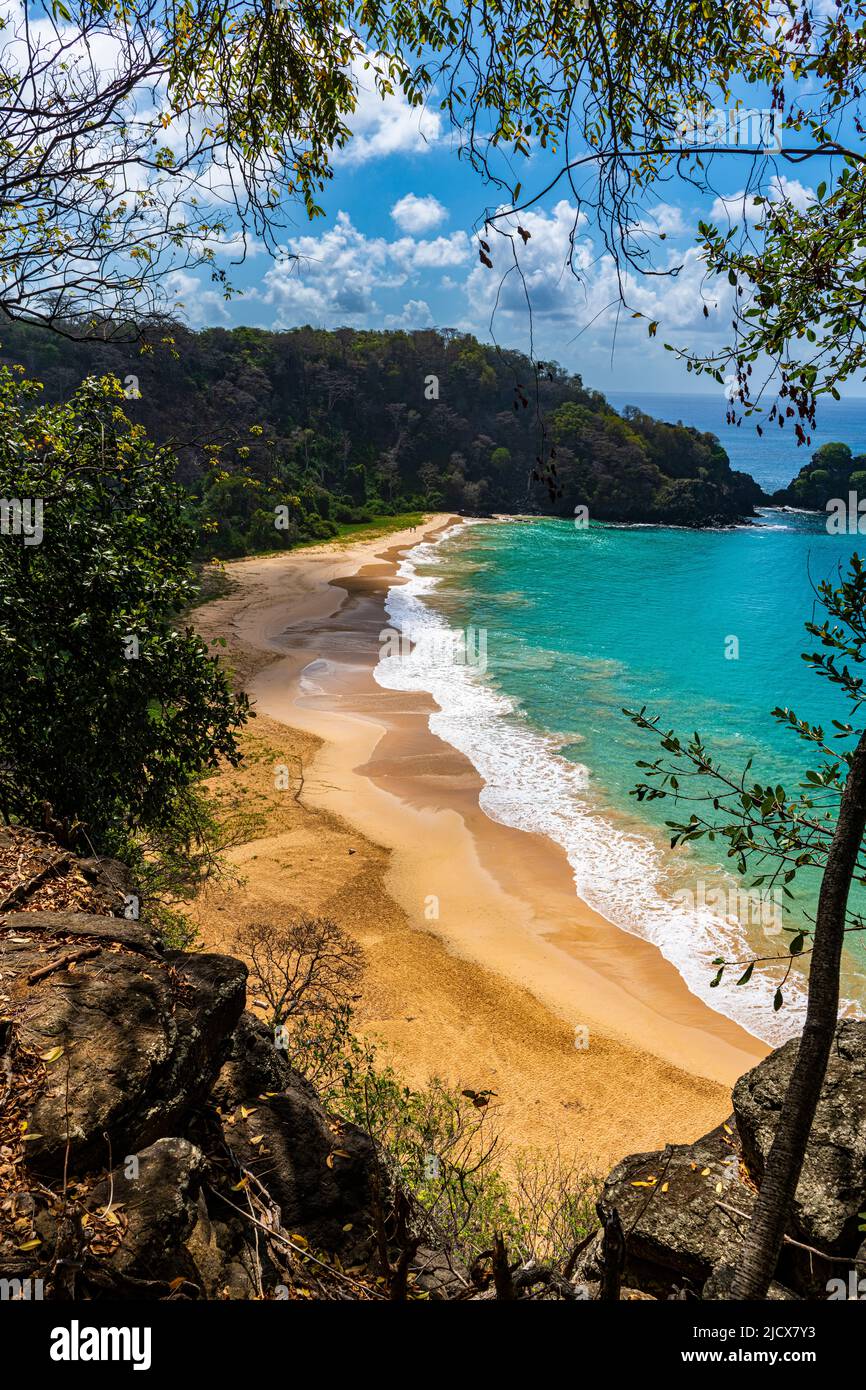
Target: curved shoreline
621, 862
501, 900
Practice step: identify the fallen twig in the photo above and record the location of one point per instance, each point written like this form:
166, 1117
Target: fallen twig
299, 1250
799, 1244
70, 958
24, 890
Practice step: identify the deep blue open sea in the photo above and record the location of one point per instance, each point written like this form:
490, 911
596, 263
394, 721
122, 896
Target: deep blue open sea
774, 458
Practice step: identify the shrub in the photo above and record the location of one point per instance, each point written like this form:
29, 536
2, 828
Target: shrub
109, 712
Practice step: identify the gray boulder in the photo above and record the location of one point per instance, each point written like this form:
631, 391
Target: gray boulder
832, 1188
132, 1039
686, 1209
683, 1210
155, 1199
439, 1274
317, 1169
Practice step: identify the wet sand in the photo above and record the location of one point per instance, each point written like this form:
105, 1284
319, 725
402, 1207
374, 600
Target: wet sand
483, 965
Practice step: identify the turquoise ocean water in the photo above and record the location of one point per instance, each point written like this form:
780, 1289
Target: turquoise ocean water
576, 625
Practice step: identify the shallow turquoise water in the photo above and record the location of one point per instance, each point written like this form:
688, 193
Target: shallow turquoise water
580, 623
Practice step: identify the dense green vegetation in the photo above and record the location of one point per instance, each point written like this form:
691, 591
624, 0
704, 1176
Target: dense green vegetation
109, 710
283, 437
831, 472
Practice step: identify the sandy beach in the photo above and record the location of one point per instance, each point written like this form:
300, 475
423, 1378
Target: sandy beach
483, 965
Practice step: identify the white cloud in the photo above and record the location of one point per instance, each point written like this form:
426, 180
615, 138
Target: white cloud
742, 206
414, 214
237, 247
382, 126
576, 306
191, 301
543, 273
441, 251
415, 314
666, 218
336, 275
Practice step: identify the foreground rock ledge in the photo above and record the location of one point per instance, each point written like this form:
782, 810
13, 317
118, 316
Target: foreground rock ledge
136, 1073
686, 1208
153, 1143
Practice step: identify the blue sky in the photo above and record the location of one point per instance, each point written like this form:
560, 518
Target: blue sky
397, 249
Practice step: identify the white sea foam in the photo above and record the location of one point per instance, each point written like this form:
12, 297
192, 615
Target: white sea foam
530, 786
308, 686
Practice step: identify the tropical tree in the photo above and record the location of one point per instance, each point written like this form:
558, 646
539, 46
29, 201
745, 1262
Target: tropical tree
109, 709
819, 826
619, 99
143, 138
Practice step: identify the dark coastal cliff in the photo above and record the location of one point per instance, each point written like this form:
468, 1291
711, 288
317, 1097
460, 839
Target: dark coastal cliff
347, 425
155, 1143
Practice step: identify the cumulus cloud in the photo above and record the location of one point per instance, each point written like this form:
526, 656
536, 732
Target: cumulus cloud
332, 279
414, 214
193, 302
666, 219
237, 247
741, 206
550, 272
543, 272
415, 314
574, 293
383, 126
441, 251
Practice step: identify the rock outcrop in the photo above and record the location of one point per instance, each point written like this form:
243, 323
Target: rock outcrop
155, 1143
153, 1139
140, 1036
316, 1168
677, 1209
685, 1209
832, 1190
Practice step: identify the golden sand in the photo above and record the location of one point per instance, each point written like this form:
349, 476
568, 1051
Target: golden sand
483, 965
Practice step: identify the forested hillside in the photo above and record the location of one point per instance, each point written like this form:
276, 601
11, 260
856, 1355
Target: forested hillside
832, 472
343, 426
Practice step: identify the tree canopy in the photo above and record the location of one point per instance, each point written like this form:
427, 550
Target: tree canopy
142, 138
338, 427
613, 97
145, 137
109, 708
